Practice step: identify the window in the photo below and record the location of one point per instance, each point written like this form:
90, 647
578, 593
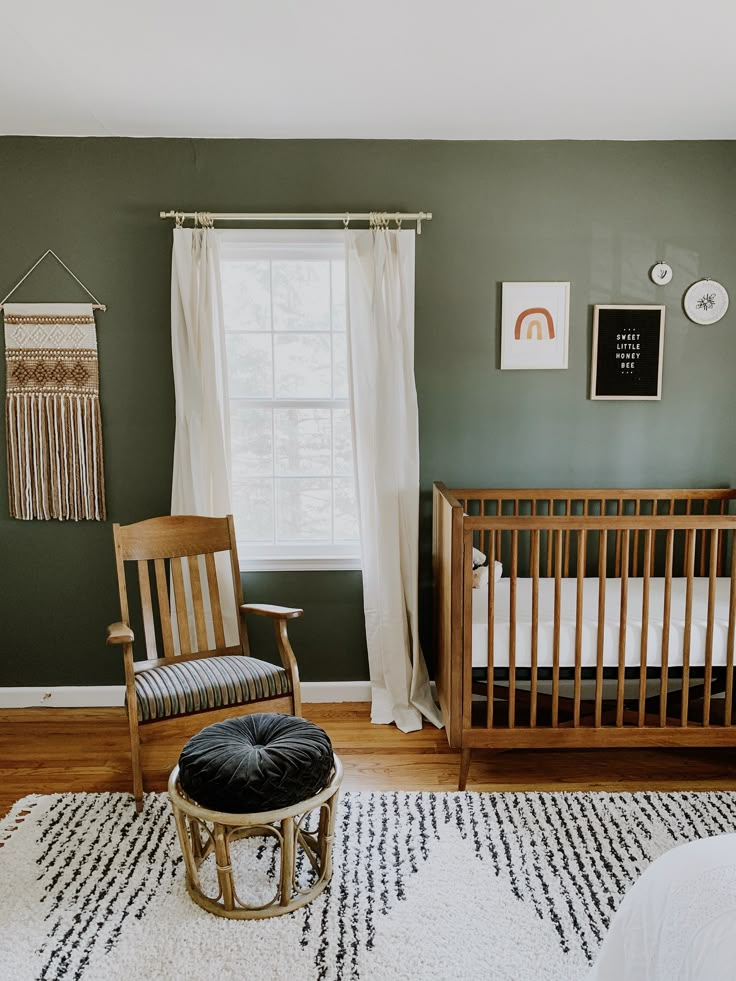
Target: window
292, 454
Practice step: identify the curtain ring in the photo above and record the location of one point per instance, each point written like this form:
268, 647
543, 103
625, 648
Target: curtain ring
179, 217
398, 224
346, 219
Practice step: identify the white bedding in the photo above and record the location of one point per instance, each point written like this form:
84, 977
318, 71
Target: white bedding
678, 921
590, 622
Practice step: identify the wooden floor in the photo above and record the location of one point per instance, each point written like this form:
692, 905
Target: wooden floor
52, 750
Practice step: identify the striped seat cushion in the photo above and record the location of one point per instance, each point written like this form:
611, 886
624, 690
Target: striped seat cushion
183, 687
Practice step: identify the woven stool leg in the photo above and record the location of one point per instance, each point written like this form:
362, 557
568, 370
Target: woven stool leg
327, 833
224, 868
195, 830
288, 856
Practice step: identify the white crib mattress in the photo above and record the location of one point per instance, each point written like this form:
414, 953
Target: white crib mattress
590, 622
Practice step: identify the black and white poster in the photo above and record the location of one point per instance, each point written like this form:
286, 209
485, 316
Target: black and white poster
628, 344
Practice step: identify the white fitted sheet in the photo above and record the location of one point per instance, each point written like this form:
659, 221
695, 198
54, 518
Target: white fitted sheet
590, 622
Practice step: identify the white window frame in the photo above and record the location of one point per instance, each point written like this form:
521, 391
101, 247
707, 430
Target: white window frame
295, 556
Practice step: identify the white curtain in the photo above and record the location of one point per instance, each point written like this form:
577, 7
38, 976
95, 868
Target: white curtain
380, 301
201, 479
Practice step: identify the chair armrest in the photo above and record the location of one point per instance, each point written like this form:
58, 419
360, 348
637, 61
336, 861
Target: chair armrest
267, 610
119, 633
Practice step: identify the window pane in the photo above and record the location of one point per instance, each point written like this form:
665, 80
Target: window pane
338, 295
303, 509
246, 295
340, 366
253, 510
251, 439
301, 295
249, 363
302, 366
346, 511
303, 439
342, 441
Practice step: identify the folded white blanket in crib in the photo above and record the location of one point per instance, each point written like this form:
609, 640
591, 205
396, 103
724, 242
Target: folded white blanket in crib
480, 576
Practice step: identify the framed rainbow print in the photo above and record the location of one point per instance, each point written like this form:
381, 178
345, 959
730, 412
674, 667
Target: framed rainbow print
534, 325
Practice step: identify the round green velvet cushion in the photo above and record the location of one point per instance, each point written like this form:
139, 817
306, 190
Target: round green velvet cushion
256, 763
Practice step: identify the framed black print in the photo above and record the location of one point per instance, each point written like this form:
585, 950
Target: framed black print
628, 346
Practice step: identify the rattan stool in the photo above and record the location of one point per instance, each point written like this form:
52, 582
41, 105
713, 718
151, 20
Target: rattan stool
203, 832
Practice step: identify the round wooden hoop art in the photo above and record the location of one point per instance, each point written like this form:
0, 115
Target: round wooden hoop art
706, 302
203, 833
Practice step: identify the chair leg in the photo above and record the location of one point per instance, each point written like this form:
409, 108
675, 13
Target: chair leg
464, 767
135, 758
296, 698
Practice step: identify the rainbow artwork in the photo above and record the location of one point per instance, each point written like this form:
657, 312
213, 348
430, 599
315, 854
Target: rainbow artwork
535, 323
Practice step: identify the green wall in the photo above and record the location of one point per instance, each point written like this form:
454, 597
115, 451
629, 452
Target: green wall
597, 214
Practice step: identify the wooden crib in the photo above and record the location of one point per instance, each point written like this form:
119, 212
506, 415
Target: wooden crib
612, 623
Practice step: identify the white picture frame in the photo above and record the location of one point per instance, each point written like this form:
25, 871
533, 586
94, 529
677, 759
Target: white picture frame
535, 326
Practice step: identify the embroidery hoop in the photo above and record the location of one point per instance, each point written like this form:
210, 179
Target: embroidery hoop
695, 297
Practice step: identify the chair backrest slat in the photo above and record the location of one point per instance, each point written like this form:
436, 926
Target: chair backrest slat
209, 561
149, 629
181, 592
200, 624
180, 605
162, 591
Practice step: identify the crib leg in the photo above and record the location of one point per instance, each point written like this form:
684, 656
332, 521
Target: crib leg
464, 767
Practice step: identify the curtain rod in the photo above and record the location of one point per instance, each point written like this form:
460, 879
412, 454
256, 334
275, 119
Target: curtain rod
206, 218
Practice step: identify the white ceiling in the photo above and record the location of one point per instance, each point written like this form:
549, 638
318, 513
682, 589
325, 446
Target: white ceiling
412, 69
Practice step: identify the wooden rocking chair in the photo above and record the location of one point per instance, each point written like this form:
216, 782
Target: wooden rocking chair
204, 677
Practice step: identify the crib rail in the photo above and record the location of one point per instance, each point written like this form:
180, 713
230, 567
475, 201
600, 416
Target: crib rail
567, 537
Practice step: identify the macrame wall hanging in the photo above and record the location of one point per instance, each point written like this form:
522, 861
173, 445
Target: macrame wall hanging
52, 409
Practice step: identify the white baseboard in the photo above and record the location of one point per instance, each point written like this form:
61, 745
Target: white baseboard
336, 691
100, 696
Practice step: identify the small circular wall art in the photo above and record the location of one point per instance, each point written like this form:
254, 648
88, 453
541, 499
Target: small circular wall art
661, 274
706, 302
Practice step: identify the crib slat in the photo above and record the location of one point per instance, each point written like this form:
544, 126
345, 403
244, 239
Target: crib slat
622, 628
617, 562
666, 609
568, 512
491, 626
534, 514
512, 627
467, 662
708, 678
602, 550
637, 512
721, 537
687, 638
556, 632
728, 706
702, 545
648, 551
535, 625
579, 628
549, 541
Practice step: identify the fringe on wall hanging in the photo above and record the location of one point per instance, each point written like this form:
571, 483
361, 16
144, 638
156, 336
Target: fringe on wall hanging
52, 412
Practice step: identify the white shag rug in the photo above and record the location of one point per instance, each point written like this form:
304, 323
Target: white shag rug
429, 887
